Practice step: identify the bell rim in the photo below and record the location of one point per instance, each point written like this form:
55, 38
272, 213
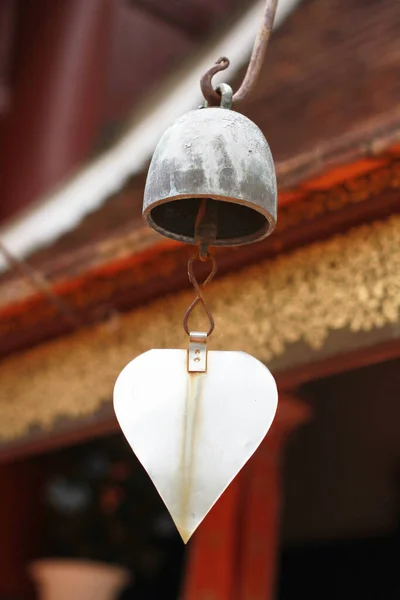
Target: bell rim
239, 241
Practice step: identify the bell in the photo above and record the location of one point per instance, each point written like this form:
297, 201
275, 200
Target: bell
220, 156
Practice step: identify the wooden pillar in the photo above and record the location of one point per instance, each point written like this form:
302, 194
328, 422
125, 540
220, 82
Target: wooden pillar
261, 517
61, 60
233, 553
212, 563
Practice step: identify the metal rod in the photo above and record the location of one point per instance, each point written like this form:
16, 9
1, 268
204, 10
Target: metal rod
41, 285
255, 64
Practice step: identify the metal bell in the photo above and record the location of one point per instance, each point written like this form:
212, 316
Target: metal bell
219, 155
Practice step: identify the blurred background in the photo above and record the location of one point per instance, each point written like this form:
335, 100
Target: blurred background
86, 89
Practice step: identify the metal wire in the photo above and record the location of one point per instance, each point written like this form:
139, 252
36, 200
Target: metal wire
198, 287
41, 285
253, 70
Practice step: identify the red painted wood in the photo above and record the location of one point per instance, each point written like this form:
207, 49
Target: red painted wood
233, 556
260, 521
143, 50
212, 566
54, 115
7, 27
260, 525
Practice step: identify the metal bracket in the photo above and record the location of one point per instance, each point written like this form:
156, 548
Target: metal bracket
197, 353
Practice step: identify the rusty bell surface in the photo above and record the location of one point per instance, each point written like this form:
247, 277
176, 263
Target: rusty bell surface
220, 155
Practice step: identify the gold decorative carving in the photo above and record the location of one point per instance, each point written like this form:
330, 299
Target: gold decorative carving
349, 282
97, 290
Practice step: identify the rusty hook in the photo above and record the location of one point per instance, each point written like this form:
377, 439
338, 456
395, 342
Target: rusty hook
253, 70
207, 88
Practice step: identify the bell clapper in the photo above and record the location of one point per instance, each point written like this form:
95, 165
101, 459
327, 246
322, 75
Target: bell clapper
205, 229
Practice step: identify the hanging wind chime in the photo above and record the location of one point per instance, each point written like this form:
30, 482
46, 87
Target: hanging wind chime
194, 417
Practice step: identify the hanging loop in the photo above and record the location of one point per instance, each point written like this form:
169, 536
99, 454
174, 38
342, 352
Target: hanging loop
253, 70
198, 287
225, 95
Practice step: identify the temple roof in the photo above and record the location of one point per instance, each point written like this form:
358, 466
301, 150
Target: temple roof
327, 102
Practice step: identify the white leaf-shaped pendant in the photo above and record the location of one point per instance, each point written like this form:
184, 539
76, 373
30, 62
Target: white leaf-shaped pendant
194, 431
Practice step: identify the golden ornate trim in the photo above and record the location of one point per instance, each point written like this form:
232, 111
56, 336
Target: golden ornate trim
349, 281
135, 255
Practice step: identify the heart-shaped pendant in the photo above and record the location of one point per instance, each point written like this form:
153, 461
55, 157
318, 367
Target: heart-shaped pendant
194, 431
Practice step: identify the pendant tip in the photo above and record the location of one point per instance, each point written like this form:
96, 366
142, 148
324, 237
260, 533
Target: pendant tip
185, 534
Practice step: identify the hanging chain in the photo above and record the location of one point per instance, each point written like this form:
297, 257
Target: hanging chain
253, 70
198, 287
205, 233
